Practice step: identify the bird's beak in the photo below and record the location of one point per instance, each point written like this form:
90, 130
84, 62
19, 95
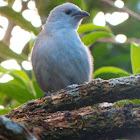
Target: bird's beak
81, 14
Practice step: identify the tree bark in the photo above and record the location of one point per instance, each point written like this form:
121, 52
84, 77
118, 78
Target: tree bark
69, 113
10, 130
97, 91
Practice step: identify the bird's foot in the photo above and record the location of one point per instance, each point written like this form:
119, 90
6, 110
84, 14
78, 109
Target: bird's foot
47, 93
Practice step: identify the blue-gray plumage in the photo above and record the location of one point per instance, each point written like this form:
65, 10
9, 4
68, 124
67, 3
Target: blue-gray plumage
59, 58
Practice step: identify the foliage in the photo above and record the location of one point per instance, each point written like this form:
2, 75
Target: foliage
111, 60
110, 72
18, 19
135, 58
7, 53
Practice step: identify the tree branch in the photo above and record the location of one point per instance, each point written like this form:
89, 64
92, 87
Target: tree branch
112, 40
124, 9
7, 35
85, 123
60, 116
97, 91
10, 130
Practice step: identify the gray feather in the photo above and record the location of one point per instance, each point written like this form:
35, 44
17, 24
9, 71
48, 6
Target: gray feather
59, 58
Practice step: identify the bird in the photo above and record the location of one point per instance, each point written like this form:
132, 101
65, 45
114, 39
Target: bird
59, 58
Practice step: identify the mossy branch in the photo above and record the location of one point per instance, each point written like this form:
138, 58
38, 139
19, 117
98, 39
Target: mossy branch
68, 113
97, 91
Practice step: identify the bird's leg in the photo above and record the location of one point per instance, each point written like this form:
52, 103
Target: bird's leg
47, 93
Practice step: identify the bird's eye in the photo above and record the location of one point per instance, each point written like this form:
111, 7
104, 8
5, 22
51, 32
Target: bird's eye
68, 12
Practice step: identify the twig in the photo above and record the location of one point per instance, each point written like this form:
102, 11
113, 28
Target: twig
8, 35
124, 9
112, 40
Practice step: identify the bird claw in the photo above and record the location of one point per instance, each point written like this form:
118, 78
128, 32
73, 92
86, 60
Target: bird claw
47, 93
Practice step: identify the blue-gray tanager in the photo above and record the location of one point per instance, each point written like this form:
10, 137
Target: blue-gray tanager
59, 58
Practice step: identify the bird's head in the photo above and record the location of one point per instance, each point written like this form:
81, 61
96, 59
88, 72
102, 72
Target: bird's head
67, 15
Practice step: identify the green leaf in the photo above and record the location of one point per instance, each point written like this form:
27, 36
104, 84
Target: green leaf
4, 111
32, 42
110, 72
15, 91
20, 76
37, 90
93, 37
79, 3
2, 69
7, 53
90, 27
10, 2
117, 59
18, 19
135, 58
1, 99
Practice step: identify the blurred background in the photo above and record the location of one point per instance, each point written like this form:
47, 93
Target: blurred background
108, 32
